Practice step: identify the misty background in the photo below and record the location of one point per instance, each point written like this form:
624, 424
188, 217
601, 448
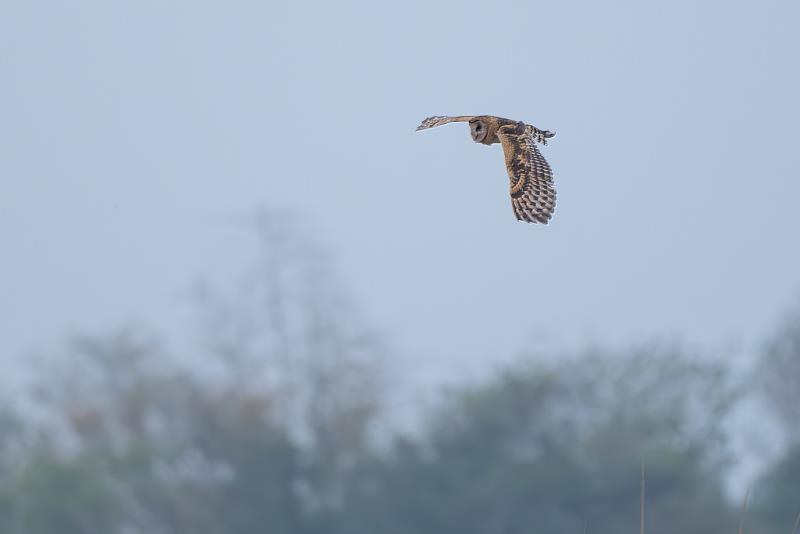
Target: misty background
232, 189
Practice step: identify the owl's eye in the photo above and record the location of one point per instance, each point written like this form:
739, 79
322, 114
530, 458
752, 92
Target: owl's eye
478, 128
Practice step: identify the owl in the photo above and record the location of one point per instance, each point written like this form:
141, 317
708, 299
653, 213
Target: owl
533, 195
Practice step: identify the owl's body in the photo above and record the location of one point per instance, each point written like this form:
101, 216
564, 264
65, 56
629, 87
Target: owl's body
533, 195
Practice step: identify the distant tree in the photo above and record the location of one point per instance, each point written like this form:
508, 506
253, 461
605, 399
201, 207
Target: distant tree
63, 498
777, 500
259, 432
780, 374
778, 496
554, 447
10, 451
289, 327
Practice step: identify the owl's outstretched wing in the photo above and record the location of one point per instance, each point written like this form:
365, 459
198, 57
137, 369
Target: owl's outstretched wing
432, 122
533, 195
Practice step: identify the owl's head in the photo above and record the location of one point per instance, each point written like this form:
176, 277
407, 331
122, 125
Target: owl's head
478, 129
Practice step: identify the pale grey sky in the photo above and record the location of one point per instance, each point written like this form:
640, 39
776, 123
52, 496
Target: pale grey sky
132, 132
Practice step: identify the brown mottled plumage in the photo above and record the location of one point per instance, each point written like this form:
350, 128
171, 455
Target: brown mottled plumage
533, 195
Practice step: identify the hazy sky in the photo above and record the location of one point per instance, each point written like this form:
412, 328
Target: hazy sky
131, 133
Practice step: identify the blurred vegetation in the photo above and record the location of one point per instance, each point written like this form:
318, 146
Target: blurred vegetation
778, 498
280, 423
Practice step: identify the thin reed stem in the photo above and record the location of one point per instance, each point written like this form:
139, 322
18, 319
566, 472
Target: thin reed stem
796, 524
641, 503
744, 510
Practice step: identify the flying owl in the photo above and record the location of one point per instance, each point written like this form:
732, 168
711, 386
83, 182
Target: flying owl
533, 195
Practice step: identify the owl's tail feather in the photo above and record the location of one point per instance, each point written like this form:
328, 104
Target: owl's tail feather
541, 135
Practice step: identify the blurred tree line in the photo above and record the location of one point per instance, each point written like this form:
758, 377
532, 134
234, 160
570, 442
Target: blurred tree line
280, 423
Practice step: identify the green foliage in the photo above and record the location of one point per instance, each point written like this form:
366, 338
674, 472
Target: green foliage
777, 502
778, 499
52, 496
537, 447
779, 368
552, 448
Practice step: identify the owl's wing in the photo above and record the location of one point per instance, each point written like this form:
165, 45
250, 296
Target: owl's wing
432, 122
533, 195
